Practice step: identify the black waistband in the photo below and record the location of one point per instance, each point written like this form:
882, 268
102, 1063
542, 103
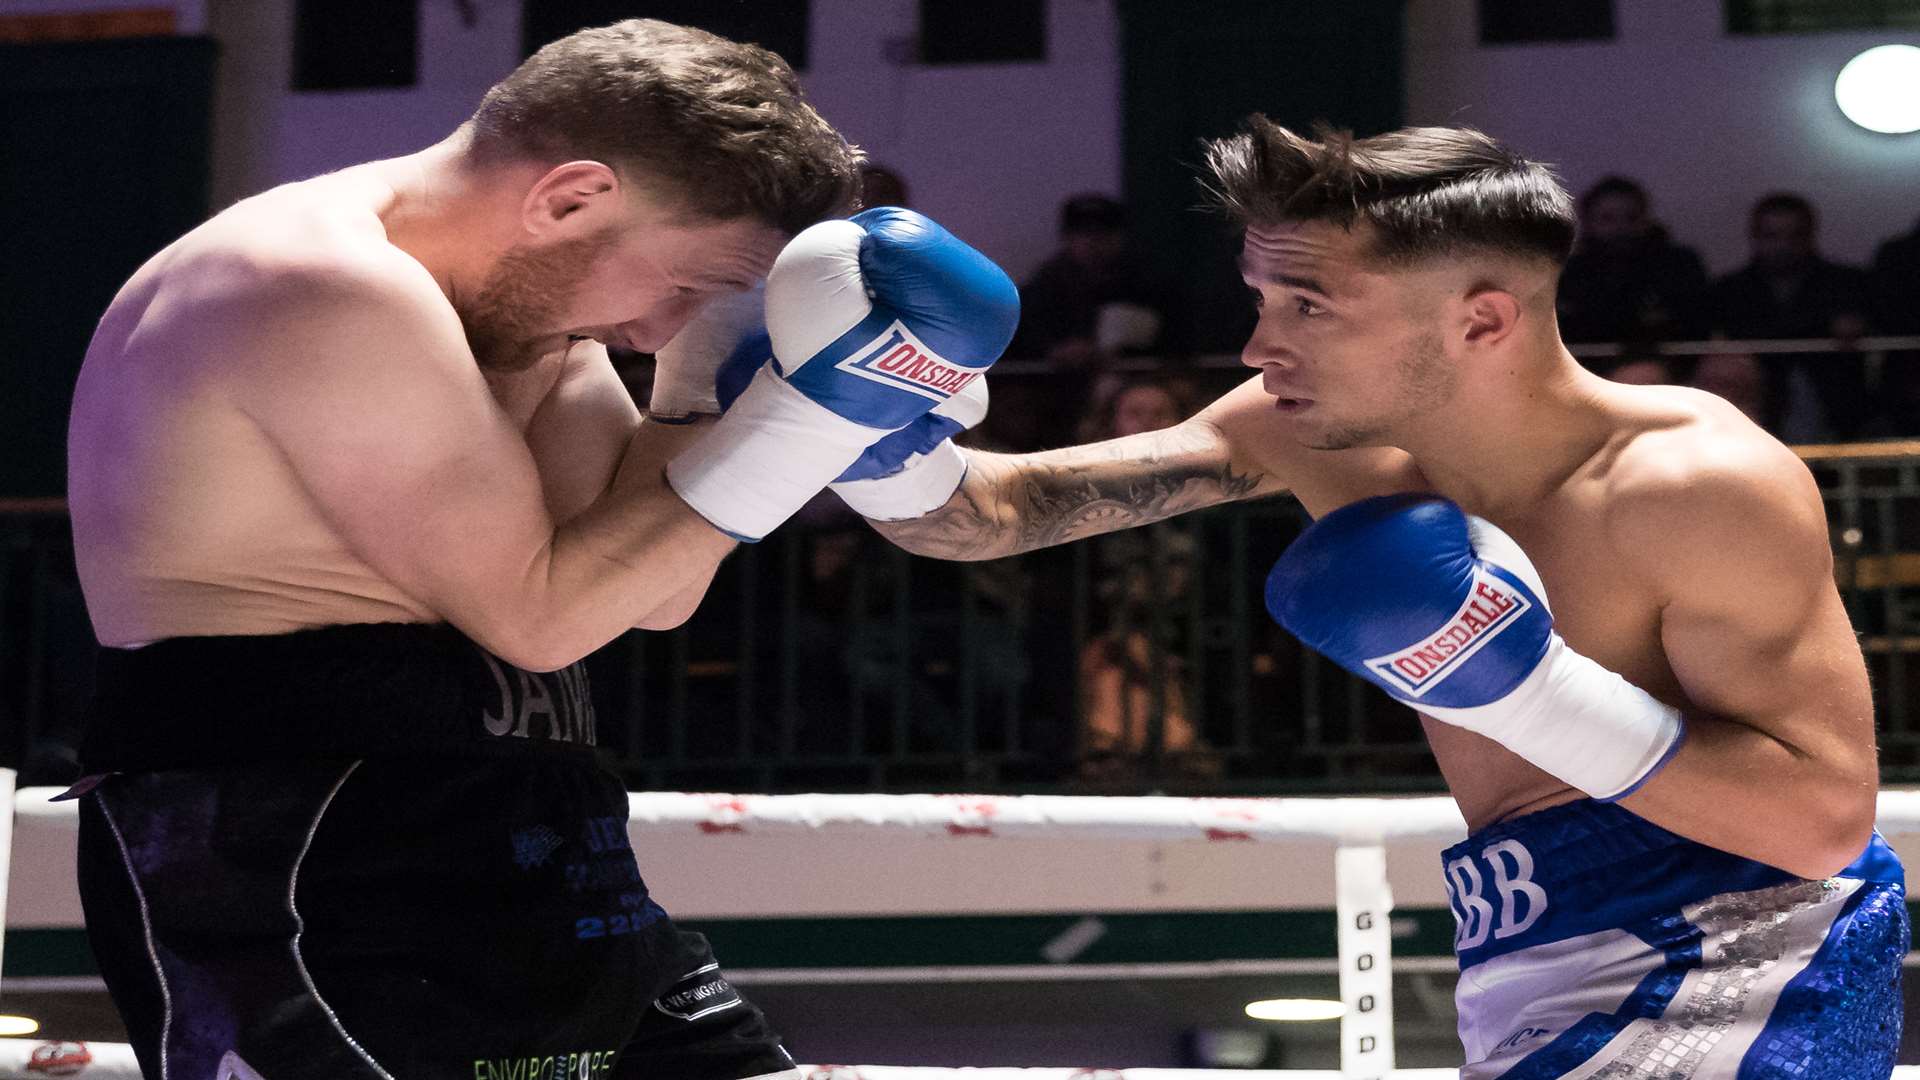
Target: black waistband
364, 690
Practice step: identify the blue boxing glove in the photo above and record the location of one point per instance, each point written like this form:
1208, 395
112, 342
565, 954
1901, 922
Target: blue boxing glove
1444, 612
874, 322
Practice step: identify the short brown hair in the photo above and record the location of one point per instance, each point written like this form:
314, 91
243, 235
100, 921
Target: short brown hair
720, 125
1426, 191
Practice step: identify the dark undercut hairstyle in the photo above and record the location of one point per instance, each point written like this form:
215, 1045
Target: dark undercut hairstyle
716, 127
1429, 191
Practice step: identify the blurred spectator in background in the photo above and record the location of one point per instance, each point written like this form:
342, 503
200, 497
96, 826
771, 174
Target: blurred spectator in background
1133, 666
1093, 300
1641, 371
1626, 281
881, 186
1091, 303
1789, 291
1738, 377
1134, 404
1896, 293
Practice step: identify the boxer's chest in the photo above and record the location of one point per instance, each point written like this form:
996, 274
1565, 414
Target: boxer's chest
1603, 610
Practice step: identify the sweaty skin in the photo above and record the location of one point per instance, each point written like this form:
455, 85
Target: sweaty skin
281, 422
1680, 545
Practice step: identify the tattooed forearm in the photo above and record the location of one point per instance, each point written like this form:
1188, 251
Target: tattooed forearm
1010, 504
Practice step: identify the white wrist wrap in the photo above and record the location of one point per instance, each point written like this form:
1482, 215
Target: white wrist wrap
922, 485
771, 452
684, 368
1580, 722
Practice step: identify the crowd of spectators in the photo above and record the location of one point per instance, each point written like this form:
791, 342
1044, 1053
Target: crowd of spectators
1631, 299
1630, 285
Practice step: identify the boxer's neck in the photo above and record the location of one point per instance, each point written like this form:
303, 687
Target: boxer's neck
453, 216
1513, 434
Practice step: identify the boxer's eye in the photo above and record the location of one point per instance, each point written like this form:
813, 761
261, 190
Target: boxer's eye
1307, 307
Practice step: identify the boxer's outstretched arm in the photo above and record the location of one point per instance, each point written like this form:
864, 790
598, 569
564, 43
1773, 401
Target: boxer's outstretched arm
1234, 449
1779, 762
1013, 503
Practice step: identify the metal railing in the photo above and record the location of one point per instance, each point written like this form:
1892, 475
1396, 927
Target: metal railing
826, 659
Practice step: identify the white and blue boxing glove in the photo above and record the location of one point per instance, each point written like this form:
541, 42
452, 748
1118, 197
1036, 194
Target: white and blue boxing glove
875, 322
915, 470
1445, 612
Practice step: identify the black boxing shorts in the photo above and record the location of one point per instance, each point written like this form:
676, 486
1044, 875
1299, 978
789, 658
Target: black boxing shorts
378, 851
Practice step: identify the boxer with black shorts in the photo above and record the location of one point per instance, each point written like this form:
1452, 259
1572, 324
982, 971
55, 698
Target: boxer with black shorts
354, 488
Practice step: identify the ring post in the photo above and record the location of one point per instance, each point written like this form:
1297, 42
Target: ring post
1364, 905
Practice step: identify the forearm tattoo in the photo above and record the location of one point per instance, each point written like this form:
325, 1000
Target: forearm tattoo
1011, 504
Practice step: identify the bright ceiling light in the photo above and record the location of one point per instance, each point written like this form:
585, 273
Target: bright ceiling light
1296, 1009
1880, 89
18, 1025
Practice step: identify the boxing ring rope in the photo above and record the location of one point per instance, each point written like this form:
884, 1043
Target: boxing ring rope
1359, 827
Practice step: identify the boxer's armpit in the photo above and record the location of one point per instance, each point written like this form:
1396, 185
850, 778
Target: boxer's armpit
1014, 503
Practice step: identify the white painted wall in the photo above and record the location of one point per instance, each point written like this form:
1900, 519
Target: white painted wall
1708, 122
989, 149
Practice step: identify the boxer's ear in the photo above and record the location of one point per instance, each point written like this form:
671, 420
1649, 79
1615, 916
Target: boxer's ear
575, 198
1490, 315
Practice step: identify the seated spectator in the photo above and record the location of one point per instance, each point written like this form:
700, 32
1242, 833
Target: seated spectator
1789, 291
1129, 406
1896, 292
1093, 300
1626, 281
1739, 378
1089, 304
1133, 666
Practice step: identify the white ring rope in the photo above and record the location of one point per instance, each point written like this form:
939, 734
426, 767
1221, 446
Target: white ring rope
1338, 820
1346, 820
1359, 826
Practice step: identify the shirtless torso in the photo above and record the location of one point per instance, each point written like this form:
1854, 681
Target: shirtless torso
1660, 503
163, 437
280, 424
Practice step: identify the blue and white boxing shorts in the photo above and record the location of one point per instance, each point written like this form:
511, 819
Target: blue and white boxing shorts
1595, 945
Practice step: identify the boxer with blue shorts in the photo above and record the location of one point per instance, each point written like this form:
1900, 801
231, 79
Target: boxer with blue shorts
1593, 943
1613, 608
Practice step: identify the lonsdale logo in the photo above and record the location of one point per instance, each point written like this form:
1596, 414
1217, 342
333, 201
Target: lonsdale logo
1491, 606
899, 359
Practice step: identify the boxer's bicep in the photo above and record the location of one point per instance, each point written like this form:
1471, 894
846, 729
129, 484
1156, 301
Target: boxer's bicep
581, 430
1779, 714
387, 424
1750, 621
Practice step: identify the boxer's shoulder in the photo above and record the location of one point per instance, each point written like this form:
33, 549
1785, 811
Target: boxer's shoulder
287, 254
1688, 473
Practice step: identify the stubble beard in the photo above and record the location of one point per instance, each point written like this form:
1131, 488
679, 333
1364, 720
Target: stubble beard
518, 305
1425, 380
